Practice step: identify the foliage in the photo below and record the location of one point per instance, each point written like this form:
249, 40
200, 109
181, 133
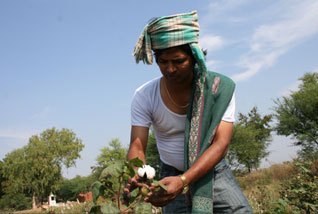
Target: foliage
297, 116
16, 201
152, 155
2, 179
282, 188
35, 169
109, 155
69, 189
262, 186
301, 192
249, 142
108, 191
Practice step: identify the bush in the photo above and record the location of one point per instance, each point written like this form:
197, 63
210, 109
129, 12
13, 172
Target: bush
301, 192
17, 201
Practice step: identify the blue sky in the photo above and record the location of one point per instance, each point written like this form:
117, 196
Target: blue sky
68, 63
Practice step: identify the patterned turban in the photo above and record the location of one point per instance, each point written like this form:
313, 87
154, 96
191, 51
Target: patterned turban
170, 31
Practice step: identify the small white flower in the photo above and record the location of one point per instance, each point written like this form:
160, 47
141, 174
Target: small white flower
146, 171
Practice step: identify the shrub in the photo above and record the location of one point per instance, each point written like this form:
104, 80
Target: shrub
16, 201
301, 191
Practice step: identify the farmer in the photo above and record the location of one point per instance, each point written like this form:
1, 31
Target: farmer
191, 111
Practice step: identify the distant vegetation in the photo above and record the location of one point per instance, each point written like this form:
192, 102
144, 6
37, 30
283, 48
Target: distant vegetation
29, 174
288, 188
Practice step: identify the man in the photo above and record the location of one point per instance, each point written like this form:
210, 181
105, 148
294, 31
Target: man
192, 114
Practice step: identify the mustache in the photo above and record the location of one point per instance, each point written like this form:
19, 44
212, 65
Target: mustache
170, 75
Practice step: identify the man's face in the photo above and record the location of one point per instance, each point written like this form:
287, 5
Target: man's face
176, 65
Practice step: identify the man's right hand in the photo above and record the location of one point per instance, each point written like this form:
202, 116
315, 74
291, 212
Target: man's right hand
133, 183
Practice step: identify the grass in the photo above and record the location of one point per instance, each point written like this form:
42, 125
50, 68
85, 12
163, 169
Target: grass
262, 187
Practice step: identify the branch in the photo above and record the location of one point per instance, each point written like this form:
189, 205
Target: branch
118, 193
131, 205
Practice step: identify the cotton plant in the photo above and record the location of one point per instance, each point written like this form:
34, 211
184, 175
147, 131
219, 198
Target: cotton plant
108, 190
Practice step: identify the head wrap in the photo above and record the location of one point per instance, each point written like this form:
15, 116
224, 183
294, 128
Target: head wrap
167, 32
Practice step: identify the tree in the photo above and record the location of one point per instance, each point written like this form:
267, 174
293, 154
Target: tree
108, 155
15, 199
69, 189
35, 169
250, 139
152, 154
1, 179
297, 116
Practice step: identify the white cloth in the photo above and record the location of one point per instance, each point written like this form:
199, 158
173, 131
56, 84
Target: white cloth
148, 108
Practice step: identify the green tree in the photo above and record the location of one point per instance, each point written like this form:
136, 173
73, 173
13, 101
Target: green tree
35, 169
250, 139
69, 189
15, 199
1, 179
152, 154
115, 151
297, 116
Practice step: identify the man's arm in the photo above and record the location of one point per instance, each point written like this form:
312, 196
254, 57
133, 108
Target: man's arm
213, 154
203, 165
138, 143
137, 148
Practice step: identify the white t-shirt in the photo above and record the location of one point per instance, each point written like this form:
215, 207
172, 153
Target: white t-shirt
148, 108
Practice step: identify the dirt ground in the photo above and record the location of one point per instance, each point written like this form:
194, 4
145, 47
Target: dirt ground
37, 210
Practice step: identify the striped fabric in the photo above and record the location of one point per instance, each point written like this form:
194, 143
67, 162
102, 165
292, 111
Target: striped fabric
169, 31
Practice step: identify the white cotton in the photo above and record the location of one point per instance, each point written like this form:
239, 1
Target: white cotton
148, 170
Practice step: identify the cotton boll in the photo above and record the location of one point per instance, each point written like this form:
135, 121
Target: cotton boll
151, 172
141, 171
146, 171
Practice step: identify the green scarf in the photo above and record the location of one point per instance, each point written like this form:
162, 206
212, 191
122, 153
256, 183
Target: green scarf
210, 96
209, 100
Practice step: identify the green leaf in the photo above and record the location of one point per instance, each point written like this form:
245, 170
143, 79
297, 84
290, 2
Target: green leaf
134, 193
109, 208
155, 182
113, 170
95, 210
143, 207
130, 170
137, 162
96, 191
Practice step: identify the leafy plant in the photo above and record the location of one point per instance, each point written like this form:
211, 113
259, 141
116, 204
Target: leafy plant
301, 192
108, 191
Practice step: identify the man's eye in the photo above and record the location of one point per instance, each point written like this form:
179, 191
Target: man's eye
179, 61
162, 61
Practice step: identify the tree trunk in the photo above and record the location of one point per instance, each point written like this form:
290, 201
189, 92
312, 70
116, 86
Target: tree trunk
34, 205
35, 202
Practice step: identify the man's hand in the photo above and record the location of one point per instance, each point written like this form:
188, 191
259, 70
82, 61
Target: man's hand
133, 183
161, 198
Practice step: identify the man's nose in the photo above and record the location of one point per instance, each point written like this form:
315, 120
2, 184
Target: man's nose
171, 67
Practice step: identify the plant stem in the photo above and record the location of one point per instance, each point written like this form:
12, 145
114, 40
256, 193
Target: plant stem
118, 193
133, 204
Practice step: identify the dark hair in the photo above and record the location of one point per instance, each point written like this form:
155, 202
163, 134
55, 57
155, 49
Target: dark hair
186, 48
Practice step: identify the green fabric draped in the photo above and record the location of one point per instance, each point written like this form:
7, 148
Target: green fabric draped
210, 96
